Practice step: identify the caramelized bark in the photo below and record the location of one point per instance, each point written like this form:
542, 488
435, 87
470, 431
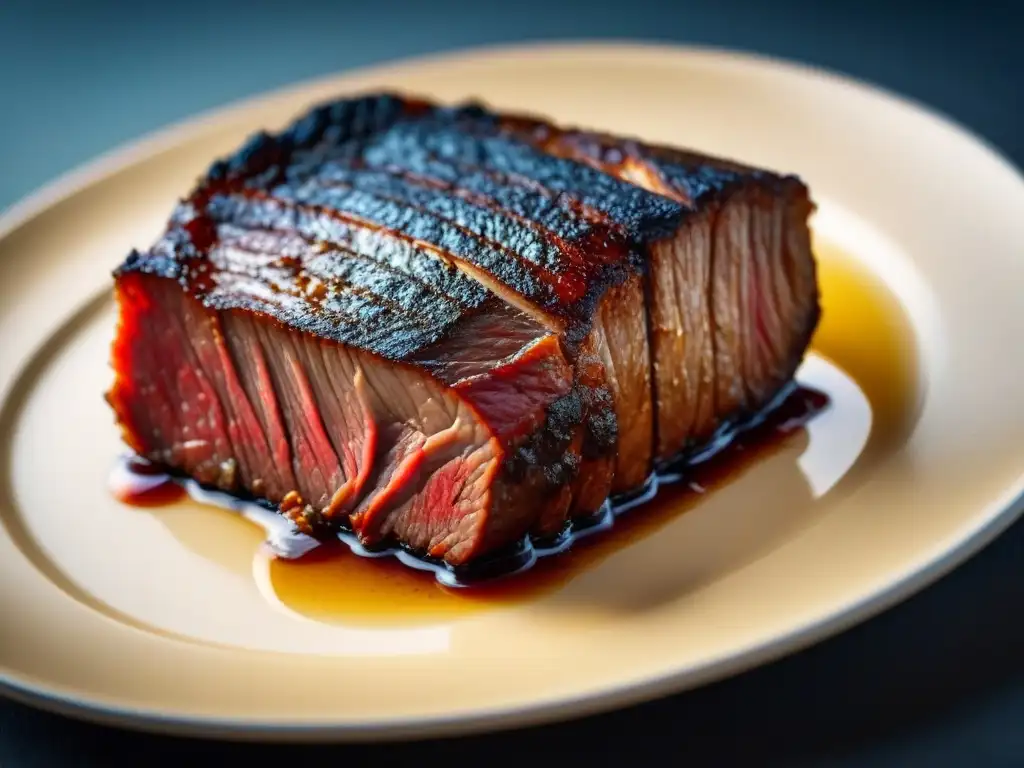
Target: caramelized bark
450, 327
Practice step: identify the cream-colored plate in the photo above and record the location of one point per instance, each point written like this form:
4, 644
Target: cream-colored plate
168, 618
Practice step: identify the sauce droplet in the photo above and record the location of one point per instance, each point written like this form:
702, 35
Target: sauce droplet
137, 482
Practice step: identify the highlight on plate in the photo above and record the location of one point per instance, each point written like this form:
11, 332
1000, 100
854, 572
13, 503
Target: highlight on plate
455, 335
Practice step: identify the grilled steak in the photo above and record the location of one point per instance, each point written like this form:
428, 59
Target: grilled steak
451, 328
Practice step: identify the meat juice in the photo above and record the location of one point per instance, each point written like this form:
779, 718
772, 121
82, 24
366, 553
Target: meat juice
141, 484
863, 331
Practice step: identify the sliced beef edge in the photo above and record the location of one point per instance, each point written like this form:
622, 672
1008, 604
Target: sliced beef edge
333, 436
733, 305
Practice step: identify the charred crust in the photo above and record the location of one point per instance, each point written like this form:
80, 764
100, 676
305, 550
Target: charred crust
546, 449
602, 430
331, 123
557, 231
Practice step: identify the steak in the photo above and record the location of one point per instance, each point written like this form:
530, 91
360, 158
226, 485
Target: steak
451, 328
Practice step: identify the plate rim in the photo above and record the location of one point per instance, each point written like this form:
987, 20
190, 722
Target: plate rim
991, 522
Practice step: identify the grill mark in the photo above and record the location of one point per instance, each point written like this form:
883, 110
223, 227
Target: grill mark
344, 316
564, 216
529, 279
525, 201
487, 280
566, 184
329, 274
492, 223
466, 138
390, 285
511, 191
454, 307
600, 251
351, 304
313, 249
485, 286
598, 255
374, 297
258, 210
273, 288
349, 232
583, 239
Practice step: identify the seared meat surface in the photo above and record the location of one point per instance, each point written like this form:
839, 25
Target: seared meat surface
451, 328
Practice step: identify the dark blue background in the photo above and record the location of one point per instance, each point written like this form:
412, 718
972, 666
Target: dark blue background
937, 681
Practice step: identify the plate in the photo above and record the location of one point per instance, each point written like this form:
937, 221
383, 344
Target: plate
172, 619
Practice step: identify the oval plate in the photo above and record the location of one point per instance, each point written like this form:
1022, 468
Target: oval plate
157, 621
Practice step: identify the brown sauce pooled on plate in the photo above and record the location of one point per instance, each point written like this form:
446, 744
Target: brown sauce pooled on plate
141, 484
